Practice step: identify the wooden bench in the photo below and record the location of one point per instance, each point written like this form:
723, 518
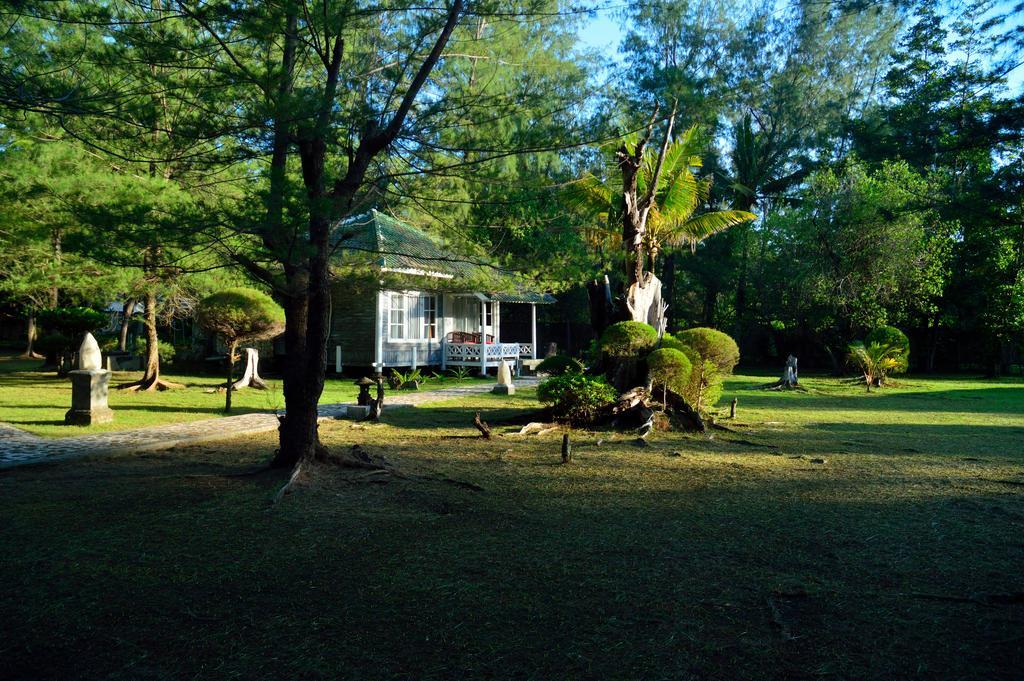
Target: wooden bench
466, 337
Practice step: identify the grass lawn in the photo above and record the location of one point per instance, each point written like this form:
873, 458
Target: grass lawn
36, 401
737, 557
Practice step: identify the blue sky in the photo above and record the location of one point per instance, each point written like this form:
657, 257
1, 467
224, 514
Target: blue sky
603, 32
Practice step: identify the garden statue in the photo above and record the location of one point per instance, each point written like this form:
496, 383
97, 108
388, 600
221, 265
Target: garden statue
504, 385
89, 385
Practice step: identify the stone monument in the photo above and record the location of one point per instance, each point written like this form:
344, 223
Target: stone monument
504, 385
89, 384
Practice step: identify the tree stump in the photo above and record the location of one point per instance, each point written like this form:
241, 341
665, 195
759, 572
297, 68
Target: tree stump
566, 449
251, 376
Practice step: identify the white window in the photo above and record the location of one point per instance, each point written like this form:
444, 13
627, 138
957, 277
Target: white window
488, 311
412, 316
396, 316
429, 316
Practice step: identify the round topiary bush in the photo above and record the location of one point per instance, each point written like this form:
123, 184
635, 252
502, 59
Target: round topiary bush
891, 336
627, 339
712, 346
575, 396
557, 365
669, 368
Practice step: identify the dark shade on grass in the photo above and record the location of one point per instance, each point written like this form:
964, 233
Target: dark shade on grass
691, 558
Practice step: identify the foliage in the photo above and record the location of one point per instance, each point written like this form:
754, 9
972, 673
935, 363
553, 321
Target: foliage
712, 346
240, 314
409, 380
52, 343
704, 387
876, 361
459, 373
628, 339
165, 349
556, 365
890, 335
671, 368
72, 322
575, 396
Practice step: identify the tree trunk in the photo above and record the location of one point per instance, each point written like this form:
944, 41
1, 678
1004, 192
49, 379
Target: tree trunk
122, 339
30, 338
229, 386
668, 285
151, 375
251, 375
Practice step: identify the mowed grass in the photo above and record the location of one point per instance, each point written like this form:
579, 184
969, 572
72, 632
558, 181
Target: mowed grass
732, 557
36, 401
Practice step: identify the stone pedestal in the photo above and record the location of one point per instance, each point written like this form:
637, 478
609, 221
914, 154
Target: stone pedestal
89, 398
504, 386
357, 411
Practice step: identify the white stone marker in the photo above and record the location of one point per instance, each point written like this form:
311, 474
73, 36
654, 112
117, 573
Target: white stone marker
89, 384
504, 385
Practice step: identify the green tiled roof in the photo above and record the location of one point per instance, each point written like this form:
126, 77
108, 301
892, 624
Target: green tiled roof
395, 246
399, 247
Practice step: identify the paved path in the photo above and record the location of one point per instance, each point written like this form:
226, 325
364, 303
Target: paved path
18, 447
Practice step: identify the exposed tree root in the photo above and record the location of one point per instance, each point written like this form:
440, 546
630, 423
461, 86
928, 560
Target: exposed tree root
782, 385
149, 385
374, 469
31, 355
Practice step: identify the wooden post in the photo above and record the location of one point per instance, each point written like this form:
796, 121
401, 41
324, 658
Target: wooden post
566, 449
415, 362
483, 338
533, 330
337, 359
732, 408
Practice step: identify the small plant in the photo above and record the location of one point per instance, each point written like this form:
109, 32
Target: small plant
459, 373
410, 380
890, 335
575, 396
556, 365
670, 369
628, 339
876, 361
437, 376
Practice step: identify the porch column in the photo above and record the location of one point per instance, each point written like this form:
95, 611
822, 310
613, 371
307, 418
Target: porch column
378, 336
496, 321
483, 338
442, 311
533, 330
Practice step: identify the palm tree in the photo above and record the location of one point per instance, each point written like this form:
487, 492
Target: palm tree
877, 360
649, 199
676, 218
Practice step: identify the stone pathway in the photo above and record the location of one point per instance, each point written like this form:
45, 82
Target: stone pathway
18, 447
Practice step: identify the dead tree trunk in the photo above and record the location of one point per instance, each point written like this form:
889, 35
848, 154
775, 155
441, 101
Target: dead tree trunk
789, 380
30, 338
643, 289
251, 375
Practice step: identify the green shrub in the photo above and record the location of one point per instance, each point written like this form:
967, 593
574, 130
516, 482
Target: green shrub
166, 350
890, 336
713, 346
53, 343
556, 365
626, 339
703, 388
72, 322
670, 368
108, 341
575, 396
